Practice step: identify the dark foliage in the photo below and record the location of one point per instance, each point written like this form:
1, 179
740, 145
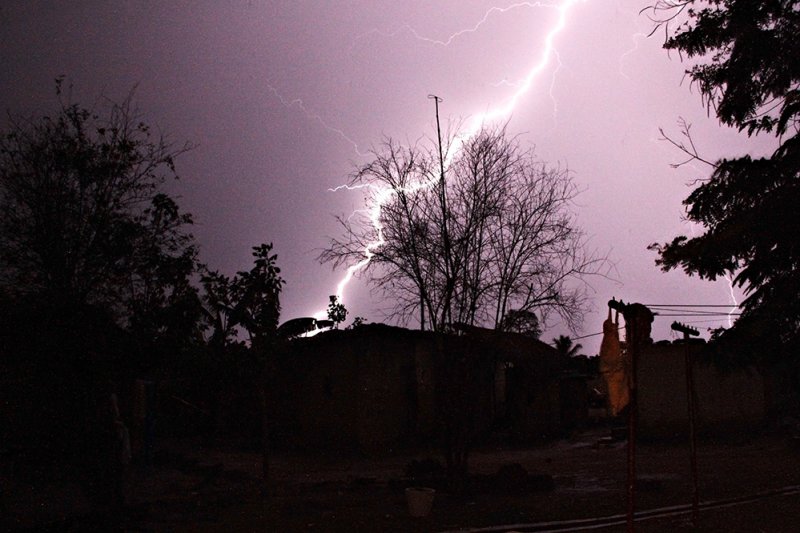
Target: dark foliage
83, 217
748, 71
523, 322
337, 312
95, 269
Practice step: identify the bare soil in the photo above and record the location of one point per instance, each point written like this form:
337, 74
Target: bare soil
196, 488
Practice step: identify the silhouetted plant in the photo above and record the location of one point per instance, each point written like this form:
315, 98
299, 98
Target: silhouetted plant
337, 313
747, 72
83, 219
523, 322
358, 322
565, 346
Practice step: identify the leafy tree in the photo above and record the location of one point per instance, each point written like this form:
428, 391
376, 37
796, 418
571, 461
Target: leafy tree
337, 313
251, 301
219, 308
748, 72
523, 322
358, 322
565, 346
163, 305
257, 294
494, 233
90, 246
83, 218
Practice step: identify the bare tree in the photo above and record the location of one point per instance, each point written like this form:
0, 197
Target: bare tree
505, 218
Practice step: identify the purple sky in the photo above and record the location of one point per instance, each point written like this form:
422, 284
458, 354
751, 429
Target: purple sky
281, 98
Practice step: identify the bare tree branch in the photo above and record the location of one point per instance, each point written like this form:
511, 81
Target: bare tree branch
512, 240
690, 150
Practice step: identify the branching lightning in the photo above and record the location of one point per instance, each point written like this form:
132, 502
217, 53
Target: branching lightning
504, 110
299, 104
632, 50
446, 42
546, 60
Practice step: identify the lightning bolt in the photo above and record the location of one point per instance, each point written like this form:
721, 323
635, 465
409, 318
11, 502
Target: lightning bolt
505, 109
299, 104
446, 42
731, 293
732, 296
636, 37
502, 111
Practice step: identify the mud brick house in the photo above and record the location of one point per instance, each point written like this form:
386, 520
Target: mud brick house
727, 401
377, 388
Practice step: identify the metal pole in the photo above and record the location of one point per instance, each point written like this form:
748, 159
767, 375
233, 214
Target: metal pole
436, 101
445, 233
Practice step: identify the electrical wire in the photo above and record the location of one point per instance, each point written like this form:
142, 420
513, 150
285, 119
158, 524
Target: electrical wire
692, 305
689, 310
698, 314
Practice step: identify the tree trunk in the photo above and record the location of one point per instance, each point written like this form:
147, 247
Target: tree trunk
265, 449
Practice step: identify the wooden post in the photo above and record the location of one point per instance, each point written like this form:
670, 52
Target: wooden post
637, 328
687, 331
631, 444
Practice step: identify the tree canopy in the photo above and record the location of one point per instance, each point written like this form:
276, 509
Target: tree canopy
747, 67
84, 219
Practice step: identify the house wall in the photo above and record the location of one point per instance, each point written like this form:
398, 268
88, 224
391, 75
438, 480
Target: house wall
726, 401
354, 391
315, 400
386, 393
425, 415
378, 388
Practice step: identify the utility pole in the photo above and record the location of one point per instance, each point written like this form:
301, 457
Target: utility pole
689, 331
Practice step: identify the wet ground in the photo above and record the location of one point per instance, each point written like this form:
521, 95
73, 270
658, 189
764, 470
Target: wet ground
195, 488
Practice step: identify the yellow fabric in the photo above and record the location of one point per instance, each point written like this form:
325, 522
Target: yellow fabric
613, 366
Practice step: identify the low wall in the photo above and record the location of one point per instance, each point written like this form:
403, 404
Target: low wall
727, 402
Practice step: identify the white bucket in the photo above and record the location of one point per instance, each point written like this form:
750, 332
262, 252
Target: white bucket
420, 500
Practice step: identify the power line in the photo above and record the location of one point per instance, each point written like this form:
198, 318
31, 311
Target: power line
587, 336
674, 310
705, 321
698, 314
692, 305
684, 310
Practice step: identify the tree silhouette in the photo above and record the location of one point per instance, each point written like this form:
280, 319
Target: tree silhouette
523, 322
748, 73
337, 313
512, 241
83, 219
565, 347
250, 300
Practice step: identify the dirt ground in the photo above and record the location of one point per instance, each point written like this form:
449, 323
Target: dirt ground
192, 488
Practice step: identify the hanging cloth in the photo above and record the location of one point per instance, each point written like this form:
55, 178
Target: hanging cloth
613, 366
